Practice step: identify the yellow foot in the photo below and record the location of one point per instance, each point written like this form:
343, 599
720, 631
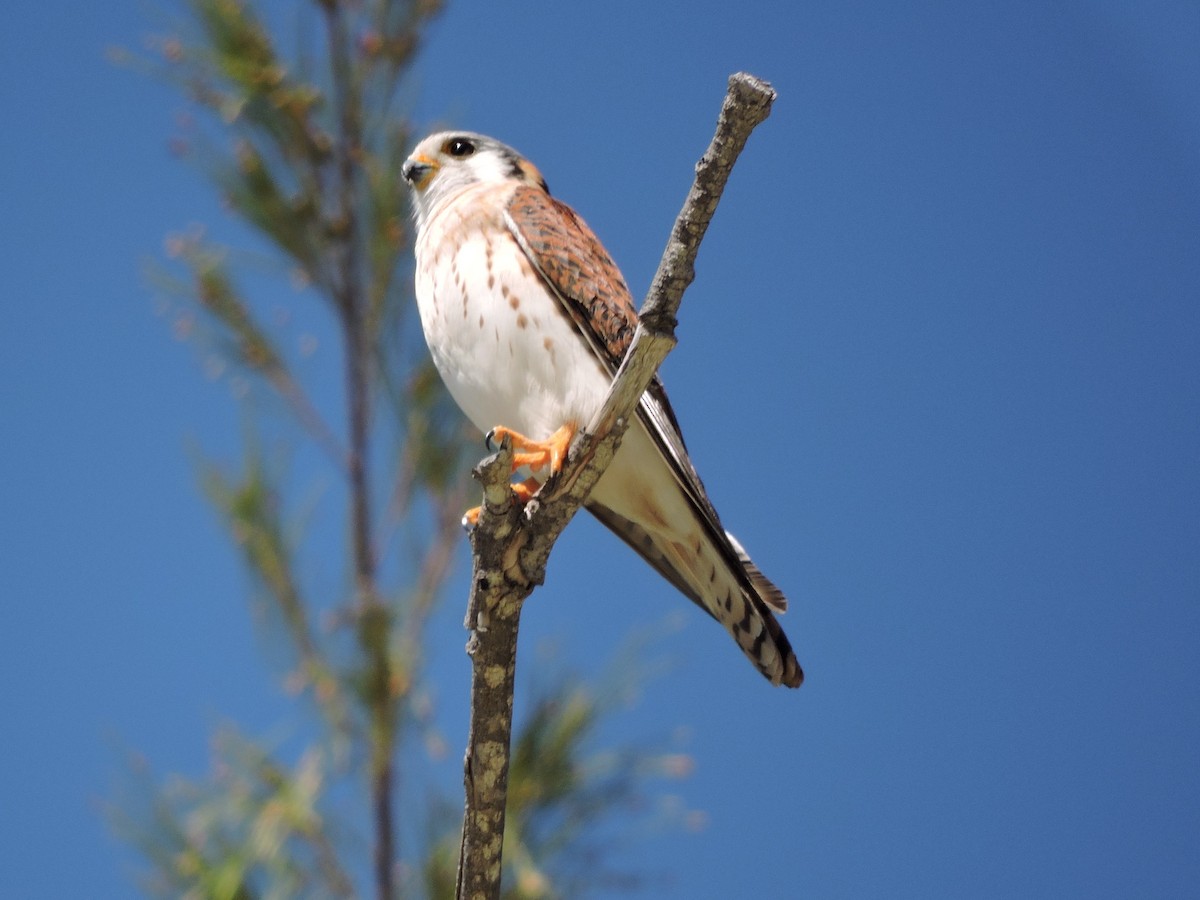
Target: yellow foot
524, 491
535, 454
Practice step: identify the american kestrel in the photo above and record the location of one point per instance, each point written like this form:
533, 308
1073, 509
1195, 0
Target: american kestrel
528, 319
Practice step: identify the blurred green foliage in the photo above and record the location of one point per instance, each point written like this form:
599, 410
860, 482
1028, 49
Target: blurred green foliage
305, 148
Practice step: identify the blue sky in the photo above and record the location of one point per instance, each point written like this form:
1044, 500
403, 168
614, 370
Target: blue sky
940, 370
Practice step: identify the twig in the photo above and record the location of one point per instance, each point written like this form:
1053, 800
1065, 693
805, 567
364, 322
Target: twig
511, 546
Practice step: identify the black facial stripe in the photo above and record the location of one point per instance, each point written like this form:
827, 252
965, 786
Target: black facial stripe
514, 163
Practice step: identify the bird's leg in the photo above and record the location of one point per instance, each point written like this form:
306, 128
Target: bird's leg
524, 491
536, 454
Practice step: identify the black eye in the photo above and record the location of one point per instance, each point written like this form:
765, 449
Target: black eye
459, 147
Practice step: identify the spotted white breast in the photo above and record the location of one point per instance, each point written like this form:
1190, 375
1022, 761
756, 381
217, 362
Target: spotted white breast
500, 340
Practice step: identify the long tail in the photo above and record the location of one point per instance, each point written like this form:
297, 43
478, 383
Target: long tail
736, 594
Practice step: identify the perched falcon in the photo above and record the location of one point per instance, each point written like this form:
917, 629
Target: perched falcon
528, 319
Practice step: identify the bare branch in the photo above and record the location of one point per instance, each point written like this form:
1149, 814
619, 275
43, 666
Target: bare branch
511, 546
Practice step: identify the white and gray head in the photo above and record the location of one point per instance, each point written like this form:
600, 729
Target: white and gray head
444, 163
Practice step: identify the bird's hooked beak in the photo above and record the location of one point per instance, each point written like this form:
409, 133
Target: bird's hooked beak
417, 170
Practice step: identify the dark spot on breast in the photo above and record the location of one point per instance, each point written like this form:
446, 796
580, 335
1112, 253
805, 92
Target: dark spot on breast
522, 321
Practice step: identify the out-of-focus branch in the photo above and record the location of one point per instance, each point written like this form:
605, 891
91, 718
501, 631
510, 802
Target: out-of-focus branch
309, 155
349, 295
511, 546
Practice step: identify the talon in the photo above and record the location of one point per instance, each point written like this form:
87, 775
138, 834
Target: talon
551, 452
470, 519
490, 442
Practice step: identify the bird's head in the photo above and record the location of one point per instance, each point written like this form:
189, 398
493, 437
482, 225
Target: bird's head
446, 162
